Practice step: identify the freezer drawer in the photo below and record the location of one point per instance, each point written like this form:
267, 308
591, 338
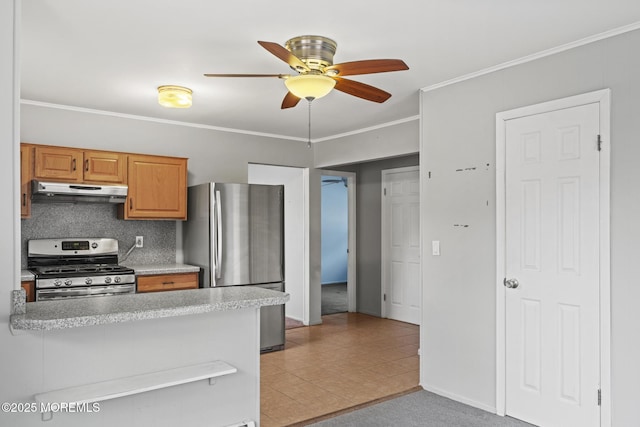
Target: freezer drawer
272, 323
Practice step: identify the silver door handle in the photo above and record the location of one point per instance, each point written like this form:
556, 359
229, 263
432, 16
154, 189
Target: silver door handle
218, 235
511, 283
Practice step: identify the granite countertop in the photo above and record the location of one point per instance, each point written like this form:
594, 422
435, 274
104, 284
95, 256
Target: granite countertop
26, 276
73, 313
150, 269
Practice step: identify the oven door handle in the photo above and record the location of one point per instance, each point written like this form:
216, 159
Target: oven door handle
43, 294
111, 290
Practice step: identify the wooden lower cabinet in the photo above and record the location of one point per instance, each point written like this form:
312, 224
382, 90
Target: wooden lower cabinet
167, 282
30, 287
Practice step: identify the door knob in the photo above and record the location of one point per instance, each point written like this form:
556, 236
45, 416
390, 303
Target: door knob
511, 283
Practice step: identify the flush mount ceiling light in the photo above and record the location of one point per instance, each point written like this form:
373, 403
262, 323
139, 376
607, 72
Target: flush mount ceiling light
174, 96
310, 86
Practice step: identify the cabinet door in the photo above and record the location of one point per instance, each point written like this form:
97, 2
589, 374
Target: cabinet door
26, 169
30, 288
103, 166
58, 163
157, 188
167, 282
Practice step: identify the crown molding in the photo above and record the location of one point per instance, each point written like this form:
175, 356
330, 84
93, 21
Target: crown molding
156, 120
368, 129
209, 127
548, 52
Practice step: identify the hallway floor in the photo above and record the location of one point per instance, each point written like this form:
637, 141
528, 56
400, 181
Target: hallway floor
348, 360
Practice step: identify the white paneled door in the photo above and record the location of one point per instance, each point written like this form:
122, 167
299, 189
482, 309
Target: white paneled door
552, 267
401, 244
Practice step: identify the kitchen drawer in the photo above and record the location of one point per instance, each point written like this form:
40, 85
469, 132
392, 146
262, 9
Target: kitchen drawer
167, 282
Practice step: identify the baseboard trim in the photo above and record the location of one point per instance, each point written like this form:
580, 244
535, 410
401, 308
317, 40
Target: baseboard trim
461, 399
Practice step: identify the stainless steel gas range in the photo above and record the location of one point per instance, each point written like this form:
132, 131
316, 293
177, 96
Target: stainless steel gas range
78, 268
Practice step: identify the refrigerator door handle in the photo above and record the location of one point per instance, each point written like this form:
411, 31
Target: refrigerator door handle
218, 235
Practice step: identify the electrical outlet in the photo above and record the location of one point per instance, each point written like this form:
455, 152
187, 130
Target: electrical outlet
139, 241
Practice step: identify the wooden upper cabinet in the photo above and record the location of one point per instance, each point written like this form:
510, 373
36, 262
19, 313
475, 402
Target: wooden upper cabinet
26, 169
157, 187
58, 163
157, 184
77, 165
103, 166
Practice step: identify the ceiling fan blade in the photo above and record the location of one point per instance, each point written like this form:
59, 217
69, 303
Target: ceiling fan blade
285, 55
361, 90
280, 76
368, 66
290, 100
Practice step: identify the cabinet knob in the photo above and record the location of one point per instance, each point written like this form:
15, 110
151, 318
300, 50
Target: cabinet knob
73, 165
86, 165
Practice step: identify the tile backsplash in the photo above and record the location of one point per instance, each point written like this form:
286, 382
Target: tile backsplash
69, 220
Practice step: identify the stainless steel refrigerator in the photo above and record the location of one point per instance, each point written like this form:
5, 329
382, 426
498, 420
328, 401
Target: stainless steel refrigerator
235, 234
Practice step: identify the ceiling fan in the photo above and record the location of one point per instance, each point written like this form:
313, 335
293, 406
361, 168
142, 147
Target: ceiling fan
312, 58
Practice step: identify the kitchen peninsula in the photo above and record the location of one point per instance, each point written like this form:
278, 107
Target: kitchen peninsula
126, 337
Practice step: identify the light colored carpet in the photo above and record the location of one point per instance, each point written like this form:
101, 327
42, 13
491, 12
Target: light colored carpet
423, 409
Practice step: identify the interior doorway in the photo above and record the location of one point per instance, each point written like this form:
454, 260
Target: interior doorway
338, 242
553, 290
400, 266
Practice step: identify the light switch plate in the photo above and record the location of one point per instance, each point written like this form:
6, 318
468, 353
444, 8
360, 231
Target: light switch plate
435, 247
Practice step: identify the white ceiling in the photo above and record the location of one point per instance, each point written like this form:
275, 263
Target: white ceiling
112, 55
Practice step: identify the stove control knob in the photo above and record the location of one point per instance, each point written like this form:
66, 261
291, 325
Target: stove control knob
117, 279
107, 280
88, 280
57, 282
68, 282
94, 245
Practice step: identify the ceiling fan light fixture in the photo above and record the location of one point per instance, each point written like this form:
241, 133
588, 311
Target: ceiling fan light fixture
171, 96
308, 86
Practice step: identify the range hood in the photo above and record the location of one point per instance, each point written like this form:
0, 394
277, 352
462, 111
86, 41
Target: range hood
62, 192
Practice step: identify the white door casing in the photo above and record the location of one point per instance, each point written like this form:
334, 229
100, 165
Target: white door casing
401, 286
550, 210
351, 244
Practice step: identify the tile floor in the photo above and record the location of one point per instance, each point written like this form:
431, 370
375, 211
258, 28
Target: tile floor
348, 360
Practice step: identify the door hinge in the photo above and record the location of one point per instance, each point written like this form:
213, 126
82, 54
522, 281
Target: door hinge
599, 143
385, 191
384, 297
599, 397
